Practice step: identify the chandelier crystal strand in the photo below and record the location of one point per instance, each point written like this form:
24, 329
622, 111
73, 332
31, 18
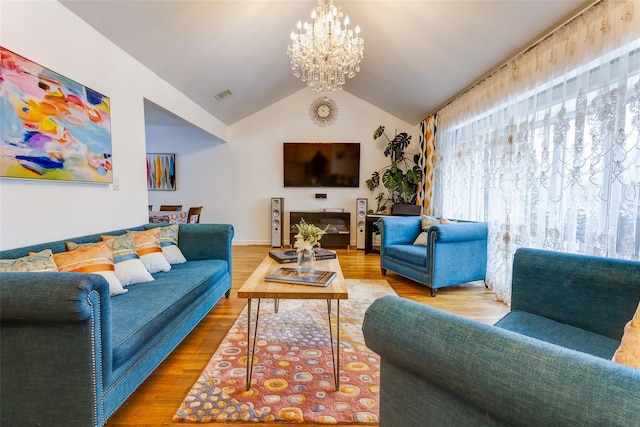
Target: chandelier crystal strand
326, 50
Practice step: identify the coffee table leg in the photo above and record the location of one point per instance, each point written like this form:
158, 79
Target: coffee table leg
335, 356
338, 345
251, 349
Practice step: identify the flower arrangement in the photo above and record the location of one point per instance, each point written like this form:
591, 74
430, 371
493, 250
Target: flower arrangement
308, 236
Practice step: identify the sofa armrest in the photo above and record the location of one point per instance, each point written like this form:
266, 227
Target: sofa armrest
399, 230
50, 297
55, 329
592, 293
457, 253
500, 374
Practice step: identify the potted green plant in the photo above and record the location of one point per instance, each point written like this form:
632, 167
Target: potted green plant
401, 178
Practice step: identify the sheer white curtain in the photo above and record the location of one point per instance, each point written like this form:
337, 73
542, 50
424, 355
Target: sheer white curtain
547, 148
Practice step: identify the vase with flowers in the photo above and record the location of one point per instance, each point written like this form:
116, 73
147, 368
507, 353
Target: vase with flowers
308, 236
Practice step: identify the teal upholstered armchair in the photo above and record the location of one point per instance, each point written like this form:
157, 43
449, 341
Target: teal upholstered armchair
546, 363
454, 253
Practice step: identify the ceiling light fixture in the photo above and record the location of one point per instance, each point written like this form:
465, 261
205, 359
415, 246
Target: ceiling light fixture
327, 50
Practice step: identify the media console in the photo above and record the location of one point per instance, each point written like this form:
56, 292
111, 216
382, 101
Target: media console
338, 234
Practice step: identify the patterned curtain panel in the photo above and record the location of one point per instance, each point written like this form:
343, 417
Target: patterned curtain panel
547, 148
427, 143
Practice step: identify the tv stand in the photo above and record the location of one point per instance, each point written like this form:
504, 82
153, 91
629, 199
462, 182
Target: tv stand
338, 234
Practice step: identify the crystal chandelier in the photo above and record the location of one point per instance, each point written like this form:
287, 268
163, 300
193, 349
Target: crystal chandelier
327, 50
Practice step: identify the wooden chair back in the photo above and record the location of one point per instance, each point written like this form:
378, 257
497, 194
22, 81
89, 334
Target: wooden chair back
194, 211
170, 207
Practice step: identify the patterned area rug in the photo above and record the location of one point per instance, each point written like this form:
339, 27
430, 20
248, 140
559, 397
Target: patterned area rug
293, 372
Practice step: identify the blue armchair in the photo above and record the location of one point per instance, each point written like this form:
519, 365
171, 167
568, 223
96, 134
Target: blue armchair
454, 253
546, 363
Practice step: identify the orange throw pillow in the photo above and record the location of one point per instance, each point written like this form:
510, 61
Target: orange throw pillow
92, 259
629, 351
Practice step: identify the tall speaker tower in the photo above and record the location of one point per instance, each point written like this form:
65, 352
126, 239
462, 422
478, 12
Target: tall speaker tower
361, 219
277, 213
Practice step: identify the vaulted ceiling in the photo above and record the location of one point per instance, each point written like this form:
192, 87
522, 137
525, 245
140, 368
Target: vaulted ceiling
418, 54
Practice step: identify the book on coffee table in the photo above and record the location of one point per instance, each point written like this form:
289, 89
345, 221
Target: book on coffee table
288, 256
293, 275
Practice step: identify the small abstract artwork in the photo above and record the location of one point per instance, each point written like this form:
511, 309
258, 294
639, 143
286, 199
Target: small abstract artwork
51, 127
161, 171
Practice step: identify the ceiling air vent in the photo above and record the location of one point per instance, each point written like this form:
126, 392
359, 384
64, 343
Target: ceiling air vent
222, 95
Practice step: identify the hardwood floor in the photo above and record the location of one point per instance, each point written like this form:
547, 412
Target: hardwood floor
157, 399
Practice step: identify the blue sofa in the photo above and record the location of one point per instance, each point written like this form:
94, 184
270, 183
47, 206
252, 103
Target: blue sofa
70, 354
454, 253
546, 363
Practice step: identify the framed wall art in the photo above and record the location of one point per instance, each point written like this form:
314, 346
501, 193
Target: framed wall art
161, 171
51, 127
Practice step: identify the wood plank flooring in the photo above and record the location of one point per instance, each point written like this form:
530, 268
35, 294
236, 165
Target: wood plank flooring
156, 400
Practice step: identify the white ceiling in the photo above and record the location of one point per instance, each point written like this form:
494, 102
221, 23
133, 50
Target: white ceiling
418, 54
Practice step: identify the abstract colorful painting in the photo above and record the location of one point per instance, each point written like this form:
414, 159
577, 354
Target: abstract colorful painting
161, 171
51, 127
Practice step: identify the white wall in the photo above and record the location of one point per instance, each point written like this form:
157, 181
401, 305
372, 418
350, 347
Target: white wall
235, 181
35, 211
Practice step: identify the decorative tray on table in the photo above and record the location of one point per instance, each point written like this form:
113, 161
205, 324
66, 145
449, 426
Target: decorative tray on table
289, 256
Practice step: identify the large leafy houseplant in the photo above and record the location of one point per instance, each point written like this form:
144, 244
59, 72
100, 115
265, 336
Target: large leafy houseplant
401, 178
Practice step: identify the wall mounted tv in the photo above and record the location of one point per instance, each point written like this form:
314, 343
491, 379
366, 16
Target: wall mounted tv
321, 164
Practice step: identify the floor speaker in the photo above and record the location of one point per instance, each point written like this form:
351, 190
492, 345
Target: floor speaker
361, 219
277, 211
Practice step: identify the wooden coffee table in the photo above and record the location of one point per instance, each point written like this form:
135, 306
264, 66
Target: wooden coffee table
256, 287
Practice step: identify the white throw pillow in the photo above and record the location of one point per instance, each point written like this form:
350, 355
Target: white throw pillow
147, 244
132, 271
155, 262
129, 268
173, 254
169, 243
422, 239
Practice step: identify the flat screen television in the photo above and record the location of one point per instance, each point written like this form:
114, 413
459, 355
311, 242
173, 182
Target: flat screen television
321, 164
